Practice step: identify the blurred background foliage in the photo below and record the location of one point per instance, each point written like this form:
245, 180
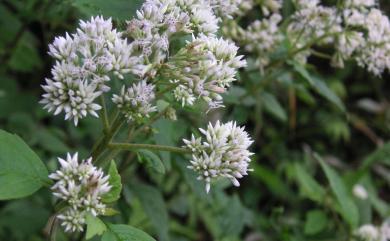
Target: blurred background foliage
318, 131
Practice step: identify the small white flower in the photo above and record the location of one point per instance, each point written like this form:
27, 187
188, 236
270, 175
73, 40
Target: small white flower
223, 153
204, 20
368, 232
360, 192
360, 3
136, 102
72, 220
385, 231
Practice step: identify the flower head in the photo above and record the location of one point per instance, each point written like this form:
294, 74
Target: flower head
81, 185
204, 69
136, 102
223, 153
84, 62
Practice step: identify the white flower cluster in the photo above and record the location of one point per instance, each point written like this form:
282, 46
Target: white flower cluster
312, 24
135, 102
204, 69
263, 37
358, 30
206, 66
368, 41
81, 185
230, 8
223, 153
87, 59
270, 6
369, 232
84, 62
158, 20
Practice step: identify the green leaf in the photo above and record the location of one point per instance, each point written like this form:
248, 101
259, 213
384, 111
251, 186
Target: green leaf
153, 161
21, 171
162, 105
309, 187
348, 208
116, 184
382, 154
322, 88
318, 85
25, 57
121, 232
95, 226
316, 221
153, 203
273, 106
271, 179
120, 9
110, 212
302, 71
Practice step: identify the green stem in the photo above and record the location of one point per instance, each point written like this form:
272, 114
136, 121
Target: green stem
101, 145
135, 146
106, 124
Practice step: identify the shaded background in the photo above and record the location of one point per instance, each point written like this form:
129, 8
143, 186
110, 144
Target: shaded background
274, 202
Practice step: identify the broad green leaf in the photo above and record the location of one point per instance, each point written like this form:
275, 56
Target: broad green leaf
309, 187
271, 179
118, 9
273, 106
121, 232
116, 184
322, 88
302, 71
318, 85
232, 218
197, 186
110, 212
25, 57
21, 171
348, 208
162, 105
153, 203
153, 161
234, 95
49, 141
382, 154
95, 226
23, 218
316, 221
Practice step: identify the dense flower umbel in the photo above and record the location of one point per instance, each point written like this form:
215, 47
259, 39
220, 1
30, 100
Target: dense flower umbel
158, 20
84, 62
204, 69
230, 8
136, 102
81, 185
262, 37
223, 153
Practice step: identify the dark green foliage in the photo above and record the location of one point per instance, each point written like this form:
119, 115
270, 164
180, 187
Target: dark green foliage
291, 194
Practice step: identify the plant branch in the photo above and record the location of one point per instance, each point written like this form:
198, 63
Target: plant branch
106, 124
135, 146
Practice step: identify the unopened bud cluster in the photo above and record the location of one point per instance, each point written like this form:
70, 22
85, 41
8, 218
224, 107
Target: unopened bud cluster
81, 186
